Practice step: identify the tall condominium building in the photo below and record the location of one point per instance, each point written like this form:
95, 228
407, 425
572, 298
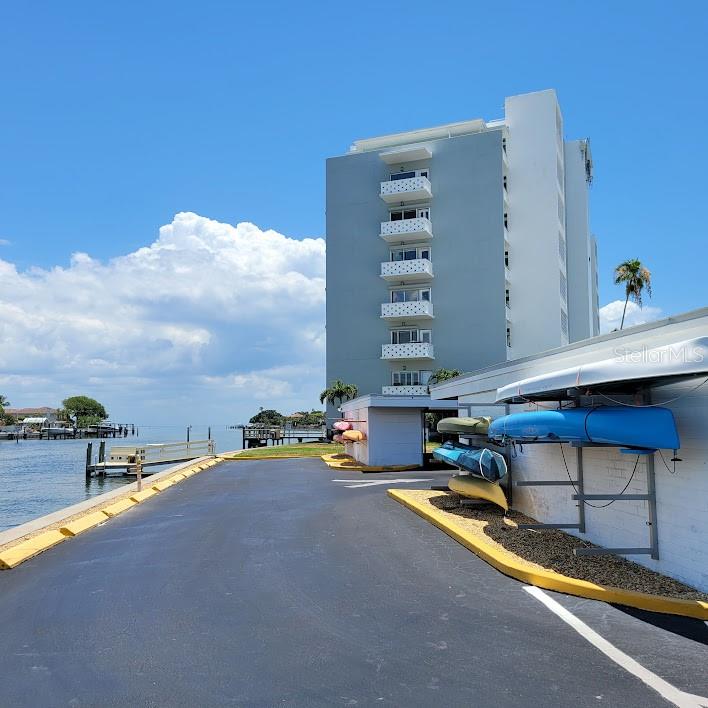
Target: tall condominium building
459, 246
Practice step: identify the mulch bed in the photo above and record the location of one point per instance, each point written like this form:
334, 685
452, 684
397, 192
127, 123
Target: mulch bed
551, 549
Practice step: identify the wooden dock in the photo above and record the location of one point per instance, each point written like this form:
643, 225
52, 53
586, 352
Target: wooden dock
260, 436
126, 459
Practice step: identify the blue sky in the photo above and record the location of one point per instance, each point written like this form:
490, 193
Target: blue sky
117, 116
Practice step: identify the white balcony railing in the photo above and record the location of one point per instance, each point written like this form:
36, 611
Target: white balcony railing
404, 271
404, 390
406, 230
413, 350
402, 190
420, 310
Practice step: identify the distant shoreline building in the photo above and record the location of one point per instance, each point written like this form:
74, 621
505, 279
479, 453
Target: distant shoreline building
44, 412
459, 246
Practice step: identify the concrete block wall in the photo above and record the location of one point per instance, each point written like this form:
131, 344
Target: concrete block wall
394, 436
682, 497
359, 450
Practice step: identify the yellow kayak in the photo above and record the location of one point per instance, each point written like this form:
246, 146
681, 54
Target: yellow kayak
353, 436
476, 488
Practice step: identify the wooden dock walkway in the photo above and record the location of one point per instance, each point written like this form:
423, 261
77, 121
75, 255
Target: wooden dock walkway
128, 458
260, 435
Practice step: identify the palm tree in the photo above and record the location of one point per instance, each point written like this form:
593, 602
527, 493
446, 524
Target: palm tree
3, 403
338, 391
635, 278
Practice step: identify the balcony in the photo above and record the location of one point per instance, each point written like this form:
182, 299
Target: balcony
414, 350
406, 230
407, 271
406, 190
404, 390
418, 310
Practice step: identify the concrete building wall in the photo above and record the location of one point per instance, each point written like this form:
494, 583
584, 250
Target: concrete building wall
595, 287
396, 436
534, 148
355, 290
467, 256
580, 262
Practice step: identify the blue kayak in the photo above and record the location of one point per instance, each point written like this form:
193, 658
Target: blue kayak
478, 461
634, 428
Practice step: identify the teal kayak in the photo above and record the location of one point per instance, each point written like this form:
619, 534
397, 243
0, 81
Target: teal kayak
478, 461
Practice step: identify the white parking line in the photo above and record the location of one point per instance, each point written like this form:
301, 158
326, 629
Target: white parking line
663, 688
358, 485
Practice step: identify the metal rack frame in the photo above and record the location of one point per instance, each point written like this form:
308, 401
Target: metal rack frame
577, 484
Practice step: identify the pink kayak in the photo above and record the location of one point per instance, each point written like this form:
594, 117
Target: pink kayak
342, 425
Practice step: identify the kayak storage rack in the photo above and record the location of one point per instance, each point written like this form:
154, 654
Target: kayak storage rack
576, 484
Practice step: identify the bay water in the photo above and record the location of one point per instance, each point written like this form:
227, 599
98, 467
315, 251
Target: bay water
38, 477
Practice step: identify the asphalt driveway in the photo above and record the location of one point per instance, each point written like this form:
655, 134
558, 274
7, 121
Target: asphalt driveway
267, 583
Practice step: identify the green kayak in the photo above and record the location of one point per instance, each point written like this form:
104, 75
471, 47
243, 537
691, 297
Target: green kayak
471, 426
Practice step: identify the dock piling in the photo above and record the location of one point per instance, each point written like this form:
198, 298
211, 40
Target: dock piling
89, 460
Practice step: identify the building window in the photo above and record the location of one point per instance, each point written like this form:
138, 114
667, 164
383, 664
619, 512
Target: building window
506, 254
410, 254
410, 378
405, 378
411, 295
504, 145
506, 188
506, 296
508, 335
400, 214
506, 220
408, 175
411, 336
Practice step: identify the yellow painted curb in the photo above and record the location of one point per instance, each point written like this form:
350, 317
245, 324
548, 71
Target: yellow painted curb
162, 485
266, 457
12, 557
339, 461
74, 528
119, 507
142, 496
175, 479
548, 579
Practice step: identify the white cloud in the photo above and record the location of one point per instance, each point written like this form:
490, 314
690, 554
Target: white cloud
4, 242
202, 322
611, 315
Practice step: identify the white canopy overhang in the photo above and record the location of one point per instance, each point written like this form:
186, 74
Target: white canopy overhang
682, 359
